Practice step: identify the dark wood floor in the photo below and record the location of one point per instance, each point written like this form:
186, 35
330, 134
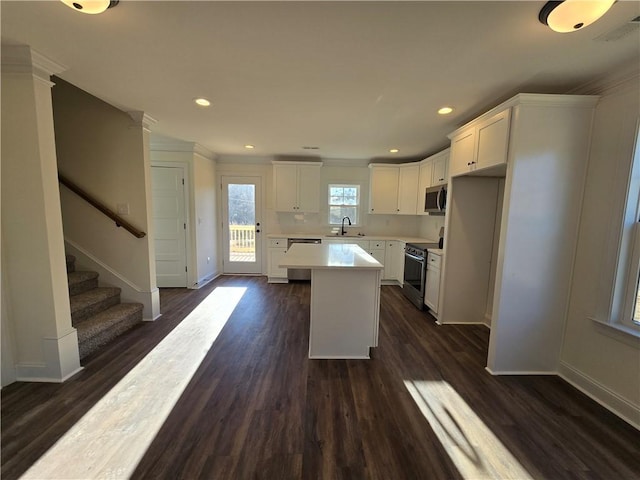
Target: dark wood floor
258, 408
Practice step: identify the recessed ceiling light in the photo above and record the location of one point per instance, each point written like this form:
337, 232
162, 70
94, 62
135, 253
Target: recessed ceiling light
445, 110
250, 147
203, 102
394, 150
306, 147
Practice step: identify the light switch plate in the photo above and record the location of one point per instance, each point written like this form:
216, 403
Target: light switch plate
123, 208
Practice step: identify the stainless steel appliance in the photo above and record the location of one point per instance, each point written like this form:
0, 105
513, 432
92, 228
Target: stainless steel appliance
435, 199
300, 273
415, 272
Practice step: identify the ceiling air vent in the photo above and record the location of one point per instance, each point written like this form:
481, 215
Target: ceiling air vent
619, 32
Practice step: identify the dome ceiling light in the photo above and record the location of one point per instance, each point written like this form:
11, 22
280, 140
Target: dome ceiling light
572, 15
90, 6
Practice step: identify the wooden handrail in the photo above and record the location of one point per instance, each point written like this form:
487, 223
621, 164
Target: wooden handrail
120, 222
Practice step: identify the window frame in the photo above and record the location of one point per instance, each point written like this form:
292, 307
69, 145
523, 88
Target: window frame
625, 289
357, 206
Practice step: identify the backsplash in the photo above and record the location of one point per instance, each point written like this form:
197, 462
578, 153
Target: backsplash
402, 225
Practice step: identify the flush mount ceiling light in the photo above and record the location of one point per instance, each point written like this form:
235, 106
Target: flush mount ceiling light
394, 150
249, 147
203, 102
571, 15
90, 6
445, 110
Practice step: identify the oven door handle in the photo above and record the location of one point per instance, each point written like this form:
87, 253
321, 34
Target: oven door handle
413, 257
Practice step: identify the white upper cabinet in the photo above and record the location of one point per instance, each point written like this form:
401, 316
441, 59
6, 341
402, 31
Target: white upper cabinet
383, 191
462, 152
400, 189
408, 189
296, 186
482, 145
493, 140
433, 172
440, 168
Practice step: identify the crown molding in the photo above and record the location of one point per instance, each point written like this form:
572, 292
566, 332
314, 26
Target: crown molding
610, 82
141, 119
203, 152
23, 59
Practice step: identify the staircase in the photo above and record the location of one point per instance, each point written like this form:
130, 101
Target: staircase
96, 312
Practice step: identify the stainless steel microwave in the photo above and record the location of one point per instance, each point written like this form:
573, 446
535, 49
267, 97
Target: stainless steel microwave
435, 199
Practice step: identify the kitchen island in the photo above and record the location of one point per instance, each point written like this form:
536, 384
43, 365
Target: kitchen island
345, 298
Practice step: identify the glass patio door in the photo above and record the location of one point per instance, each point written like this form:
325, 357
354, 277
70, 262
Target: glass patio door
241, 214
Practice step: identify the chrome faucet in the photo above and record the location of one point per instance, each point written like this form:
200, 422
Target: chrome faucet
342, 230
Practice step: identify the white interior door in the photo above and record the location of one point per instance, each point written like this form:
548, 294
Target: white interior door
170, 226
241, 217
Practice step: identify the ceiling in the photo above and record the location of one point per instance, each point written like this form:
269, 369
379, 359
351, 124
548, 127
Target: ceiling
354, 79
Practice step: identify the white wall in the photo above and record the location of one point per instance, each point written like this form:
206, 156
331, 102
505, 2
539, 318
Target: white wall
332, 171
7, 355
602, 364
36, 315
206, 219
429, 226
105, 151
202, 212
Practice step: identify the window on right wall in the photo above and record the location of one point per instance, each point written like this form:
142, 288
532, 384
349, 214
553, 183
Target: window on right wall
629, 257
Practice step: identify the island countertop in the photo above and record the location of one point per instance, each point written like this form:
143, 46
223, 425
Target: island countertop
328, 256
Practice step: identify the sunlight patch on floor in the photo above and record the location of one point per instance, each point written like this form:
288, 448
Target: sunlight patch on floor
475, 451
112, 437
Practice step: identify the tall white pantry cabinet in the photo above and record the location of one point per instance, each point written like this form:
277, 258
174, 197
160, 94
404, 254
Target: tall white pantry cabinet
515, 193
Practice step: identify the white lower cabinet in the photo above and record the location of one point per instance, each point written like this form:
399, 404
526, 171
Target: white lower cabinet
394, 261
277, 249
399, 261
377, 250
432, 287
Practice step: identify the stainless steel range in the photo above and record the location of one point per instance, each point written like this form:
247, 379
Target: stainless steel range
415, 272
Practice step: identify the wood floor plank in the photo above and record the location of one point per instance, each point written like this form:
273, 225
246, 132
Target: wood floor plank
257, 407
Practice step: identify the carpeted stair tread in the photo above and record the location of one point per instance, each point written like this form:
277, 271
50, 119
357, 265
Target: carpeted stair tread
102, 328
71, 263
80, 282
92, 302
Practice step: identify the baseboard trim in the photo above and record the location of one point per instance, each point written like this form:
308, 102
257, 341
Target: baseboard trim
205, 281
277, 280
461, 323
152, 319
130, 292
496, 373
609, 399
103, 265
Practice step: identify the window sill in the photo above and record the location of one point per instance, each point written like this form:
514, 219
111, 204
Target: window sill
625, 334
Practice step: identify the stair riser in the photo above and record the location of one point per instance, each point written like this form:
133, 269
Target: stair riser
71, 266
83, 286
94, 342
93, 309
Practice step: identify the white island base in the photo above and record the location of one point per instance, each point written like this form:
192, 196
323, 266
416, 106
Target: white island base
345, 298
345, 307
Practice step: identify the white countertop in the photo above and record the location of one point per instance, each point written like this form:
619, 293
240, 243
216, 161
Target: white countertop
328, 256
399, 238
437, 251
